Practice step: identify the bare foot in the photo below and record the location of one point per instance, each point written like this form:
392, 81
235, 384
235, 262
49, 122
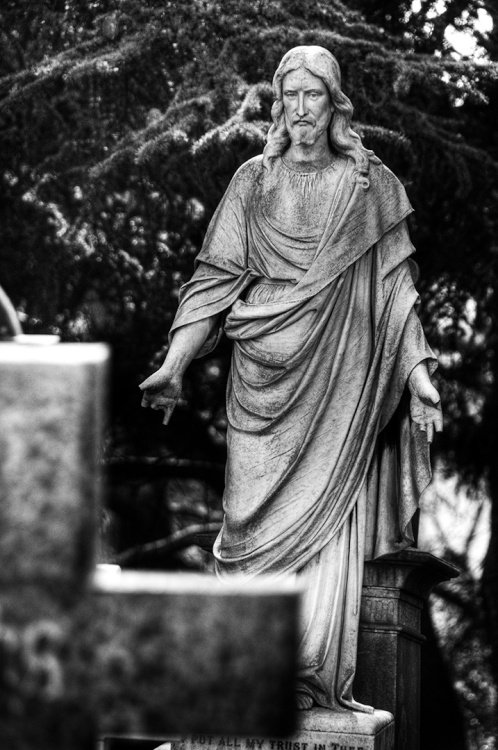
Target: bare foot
303, 701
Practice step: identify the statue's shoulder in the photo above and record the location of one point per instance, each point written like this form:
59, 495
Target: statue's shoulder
382, 178
248, 174
251, 166
386, 195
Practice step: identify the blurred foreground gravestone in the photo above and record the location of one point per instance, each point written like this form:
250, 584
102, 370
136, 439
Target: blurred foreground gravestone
83, 653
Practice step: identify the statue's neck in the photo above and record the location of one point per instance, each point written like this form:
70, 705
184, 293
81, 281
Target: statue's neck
305, 157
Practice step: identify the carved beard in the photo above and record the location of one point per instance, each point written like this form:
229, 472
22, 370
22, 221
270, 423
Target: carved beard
306, 135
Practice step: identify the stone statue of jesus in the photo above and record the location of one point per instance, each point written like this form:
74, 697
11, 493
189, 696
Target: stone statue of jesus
306, 266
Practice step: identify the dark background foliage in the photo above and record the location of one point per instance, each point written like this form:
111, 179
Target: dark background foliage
122, 123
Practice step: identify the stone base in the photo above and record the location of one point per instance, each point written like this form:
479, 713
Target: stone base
318, 729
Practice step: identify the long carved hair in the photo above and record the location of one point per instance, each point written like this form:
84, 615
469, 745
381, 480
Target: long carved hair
321, 63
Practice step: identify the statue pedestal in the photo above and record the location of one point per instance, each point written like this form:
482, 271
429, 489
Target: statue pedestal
395, 588
317, 729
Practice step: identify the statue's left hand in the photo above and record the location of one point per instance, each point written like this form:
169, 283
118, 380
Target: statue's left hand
425, 404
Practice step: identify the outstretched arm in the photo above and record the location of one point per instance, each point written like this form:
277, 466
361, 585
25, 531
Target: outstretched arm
163, 388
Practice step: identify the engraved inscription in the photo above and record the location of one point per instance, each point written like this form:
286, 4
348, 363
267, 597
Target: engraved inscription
256, 743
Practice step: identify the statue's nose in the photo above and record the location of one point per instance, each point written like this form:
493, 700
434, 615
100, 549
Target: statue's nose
301, 110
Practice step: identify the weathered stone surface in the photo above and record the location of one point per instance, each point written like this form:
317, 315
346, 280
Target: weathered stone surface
318, 729
304, 266
131, 652
395, 589
189, 653
51, 411
145, 653
51, 414
39, 706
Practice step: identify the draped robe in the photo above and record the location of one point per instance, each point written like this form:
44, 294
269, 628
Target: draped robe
310, 277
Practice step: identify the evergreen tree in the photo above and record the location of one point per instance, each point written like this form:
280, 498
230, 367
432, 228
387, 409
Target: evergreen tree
122, 123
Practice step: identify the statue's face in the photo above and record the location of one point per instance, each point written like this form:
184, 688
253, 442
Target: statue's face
307, 106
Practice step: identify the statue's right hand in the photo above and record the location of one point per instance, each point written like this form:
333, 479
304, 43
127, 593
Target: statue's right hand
162, 390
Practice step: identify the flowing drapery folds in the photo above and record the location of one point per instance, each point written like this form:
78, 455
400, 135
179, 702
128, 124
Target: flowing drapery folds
310, 276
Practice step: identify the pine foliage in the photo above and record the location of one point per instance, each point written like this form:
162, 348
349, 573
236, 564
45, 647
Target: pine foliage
122, 123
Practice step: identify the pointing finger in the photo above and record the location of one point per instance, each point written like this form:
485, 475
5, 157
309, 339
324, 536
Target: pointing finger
167, 414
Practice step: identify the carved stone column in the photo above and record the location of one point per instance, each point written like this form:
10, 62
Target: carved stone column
395, 589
